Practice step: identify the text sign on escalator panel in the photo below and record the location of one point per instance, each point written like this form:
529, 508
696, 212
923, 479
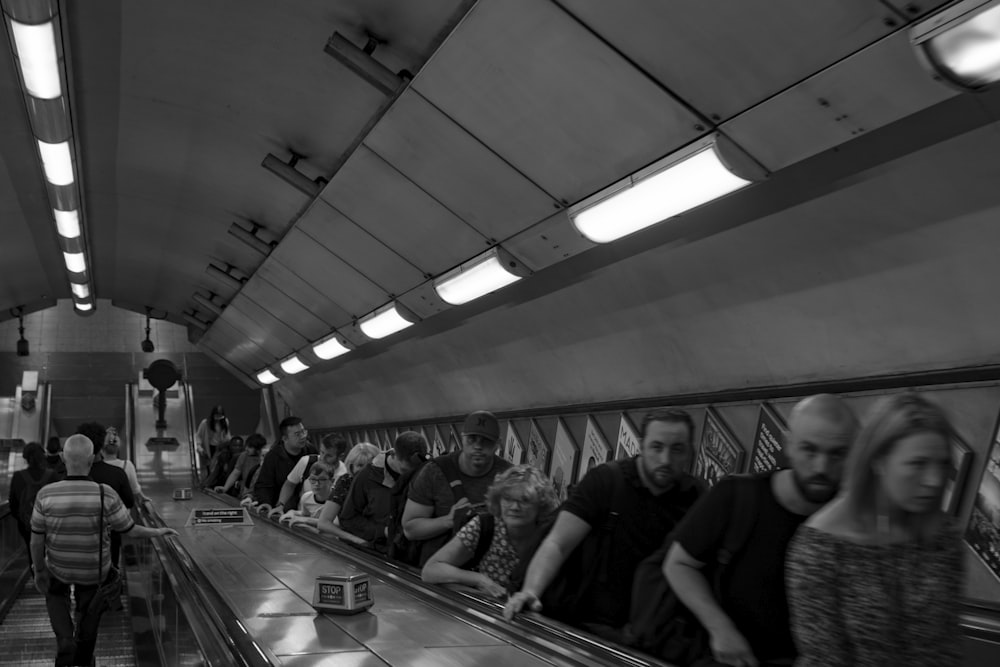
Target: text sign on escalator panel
232, 516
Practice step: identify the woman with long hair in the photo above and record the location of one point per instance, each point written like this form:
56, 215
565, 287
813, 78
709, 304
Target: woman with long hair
212, 432
874, 578
360, 455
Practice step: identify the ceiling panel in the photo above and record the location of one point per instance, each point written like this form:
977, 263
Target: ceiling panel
377, 197
252, 328
914, 8
457, 169
234, 345
328, 274
723, 56
275, 328
871, 89
286, 280
285, 308
552, 99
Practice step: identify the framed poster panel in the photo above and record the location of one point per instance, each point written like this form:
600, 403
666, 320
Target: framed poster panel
538, 449
595, 448
768, 441
454, 439
435, 441
983, 531
720, 453
628, 439
564, 452
385, 441
513, 450
954, 486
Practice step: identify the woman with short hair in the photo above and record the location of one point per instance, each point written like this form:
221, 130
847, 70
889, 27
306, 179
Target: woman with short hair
519, 501
875, 577
360, 455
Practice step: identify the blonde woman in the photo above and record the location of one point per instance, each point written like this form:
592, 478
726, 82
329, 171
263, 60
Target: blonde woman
360, 455
874, 578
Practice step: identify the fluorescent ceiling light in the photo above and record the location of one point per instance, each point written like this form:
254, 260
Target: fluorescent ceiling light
962, 43
293, 365
57, 162
330, 348
81, 291
36, 52
480, 275
383, 322
84, 306
266, 377
75, 262
68, 223
694, 176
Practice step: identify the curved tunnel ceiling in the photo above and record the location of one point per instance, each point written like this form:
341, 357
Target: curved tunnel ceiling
507, 112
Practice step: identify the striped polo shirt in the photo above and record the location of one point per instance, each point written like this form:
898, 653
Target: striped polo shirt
66, 513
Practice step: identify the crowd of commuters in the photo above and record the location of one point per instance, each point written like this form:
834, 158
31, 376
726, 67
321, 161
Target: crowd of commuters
823, 574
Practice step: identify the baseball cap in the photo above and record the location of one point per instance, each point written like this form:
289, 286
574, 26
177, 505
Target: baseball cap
482, 423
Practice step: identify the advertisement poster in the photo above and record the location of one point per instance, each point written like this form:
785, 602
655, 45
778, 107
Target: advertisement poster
628, 439
454, 439
983, 532
538, 449
961, 459
385, 440
563, 460
513, 451
767, 441
595, 448
438, 446
720, 454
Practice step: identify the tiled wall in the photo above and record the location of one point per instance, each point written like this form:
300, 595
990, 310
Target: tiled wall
109, 329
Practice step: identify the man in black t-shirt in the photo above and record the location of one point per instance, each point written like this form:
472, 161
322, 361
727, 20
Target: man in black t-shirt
749, 625
635, 503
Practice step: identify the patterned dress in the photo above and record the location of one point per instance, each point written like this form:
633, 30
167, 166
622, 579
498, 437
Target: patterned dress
500, 559
859, 604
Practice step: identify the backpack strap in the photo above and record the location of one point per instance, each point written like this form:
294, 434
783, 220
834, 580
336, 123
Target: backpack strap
449, 466
486, 527
312, 460
605, 533
742, 518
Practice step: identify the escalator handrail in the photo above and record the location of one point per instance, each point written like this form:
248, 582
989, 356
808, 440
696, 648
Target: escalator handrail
231, 643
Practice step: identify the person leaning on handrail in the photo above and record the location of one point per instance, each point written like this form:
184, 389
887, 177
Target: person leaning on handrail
328, 523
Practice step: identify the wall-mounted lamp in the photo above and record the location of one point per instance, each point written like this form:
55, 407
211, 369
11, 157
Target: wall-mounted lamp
360, 62
250, 238
22, 342
225, 276
193, 319
147, 345
690, 177
293, 365
207, 302
961, 44
481, 275
386, 320
331, 347
289, 174
266, 377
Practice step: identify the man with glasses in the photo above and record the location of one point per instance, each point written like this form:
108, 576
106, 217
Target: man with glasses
331, 450
279, 461
451, 489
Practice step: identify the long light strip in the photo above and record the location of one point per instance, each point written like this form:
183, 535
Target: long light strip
68, 223
85, 306
57, 162
681, 185
383, 322
962, 42
75, 262
266, 377
293, 365
330, 348
480, 275
39, 60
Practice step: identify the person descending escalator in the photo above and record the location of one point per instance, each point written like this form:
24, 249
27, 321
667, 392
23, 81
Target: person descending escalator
24, 487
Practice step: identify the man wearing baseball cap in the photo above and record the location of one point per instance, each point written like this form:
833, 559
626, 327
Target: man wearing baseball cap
451, 489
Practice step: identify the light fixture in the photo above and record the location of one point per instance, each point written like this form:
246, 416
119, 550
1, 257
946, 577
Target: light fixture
481, 275
961, 44
67, 223
266, 377
147, 345
225, 276
56, 162
330, 348
38, 58
80, 290
692, 176
208, 302
361, 62
250, 238
289, 174
385, 321
293, 365
22, 342
75, 262
83, 306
